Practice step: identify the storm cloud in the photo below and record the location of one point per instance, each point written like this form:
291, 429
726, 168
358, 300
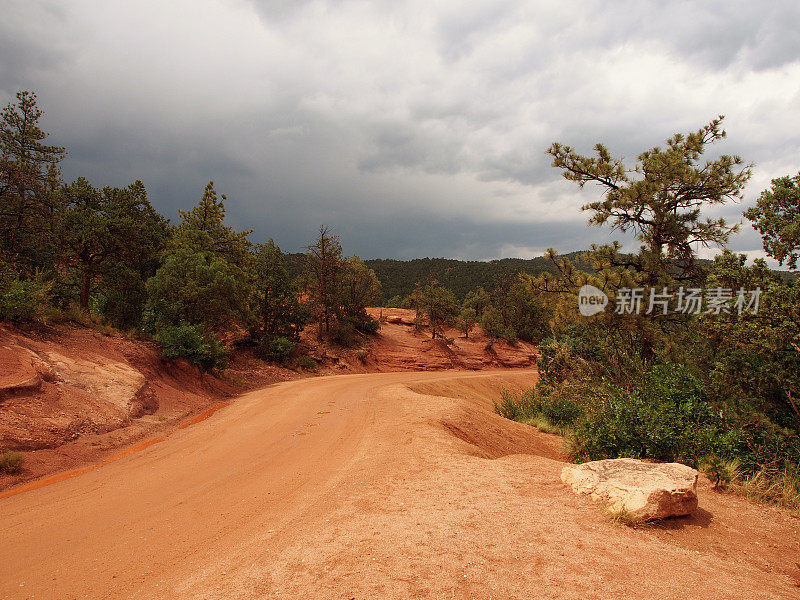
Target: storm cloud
413, 128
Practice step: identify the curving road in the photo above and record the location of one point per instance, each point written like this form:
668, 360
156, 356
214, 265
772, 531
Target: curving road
400, 485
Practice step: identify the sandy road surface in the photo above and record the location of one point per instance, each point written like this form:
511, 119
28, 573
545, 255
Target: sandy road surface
399, 485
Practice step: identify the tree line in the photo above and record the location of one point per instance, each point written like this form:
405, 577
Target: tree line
107, 256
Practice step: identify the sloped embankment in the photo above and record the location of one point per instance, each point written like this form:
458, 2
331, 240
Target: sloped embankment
70, 395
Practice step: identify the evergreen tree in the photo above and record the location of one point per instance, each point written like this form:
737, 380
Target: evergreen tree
203, 282
660, 200
360, 288
28, 177
275, 304
203, 228
467, 320
437, 304
322, 276
776, 216
98, 229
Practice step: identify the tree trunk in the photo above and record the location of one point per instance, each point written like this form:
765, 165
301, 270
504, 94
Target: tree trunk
86, 286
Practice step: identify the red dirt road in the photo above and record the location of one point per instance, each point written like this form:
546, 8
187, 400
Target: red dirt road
397, 485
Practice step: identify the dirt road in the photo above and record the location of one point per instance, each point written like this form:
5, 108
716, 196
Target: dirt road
401, 485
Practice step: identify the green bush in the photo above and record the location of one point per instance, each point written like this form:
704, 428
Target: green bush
345, 333
492, 322
307, 363
561, 411
368, 326
529, 406
277, 349
517, 408
668, 419
23, 300
395, 302
190, 342
11, 462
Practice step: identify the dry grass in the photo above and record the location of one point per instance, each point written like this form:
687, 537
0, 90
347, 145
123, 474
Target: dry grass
782, 489
779, 488
11, 462
622, 516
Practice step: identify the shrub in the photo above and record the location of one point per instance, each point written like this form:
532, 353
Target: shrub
307, 363
11, 462
548, 413
276, 349
23, 300
344, 334
190, 342
492, 322
368, 326
669, 419
561, 411
395, 302
519, 407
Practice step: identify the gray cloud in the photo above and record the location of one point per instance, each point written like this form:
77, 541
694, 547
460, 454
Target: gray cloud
414, 129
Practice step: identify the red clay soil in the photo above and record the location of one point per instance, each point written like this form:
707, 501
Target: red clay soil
88, 395
401, 347
391, 485
71, 397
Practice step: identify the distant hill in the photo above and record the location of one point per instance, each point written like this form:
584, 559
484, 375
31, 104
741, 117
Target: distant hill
398, 277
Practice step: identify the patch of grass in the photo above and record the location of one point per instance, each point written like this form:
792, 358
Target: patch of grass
74, 314
11, 462
781, 489
721, 472
622, 516
544, 425
549, 414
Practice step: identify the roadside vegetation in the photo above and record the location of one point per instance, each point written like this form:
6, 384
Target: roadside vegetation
11, 462
717, 389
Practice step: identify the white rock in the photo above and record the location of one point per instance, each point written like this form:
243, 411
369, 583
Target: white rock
643, 491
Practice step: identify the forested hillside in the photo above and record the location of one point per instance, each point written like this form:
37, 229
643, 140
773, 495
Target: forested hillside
398, 277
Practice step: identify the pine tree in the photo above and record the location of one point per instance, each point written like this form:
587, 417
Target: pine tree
322, 276
203, 229
660, 200
98, 228
275, 303
28, 177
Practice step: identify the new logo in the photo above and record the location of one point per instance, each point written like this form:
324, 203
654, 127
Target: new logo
591, 300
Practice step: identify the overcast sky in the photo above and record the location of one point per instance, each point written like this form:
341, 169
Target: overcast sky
413, 128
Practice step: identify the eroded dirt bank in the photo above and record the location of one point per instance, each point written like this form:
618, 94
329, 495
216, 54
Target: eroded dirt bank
402, 485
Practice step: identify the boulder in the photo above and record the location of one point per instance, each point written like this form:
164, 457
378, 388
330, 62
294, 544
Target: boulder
640, 490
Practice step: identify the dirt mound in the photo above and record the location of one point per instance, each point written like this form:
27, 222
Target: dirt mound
465, 416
